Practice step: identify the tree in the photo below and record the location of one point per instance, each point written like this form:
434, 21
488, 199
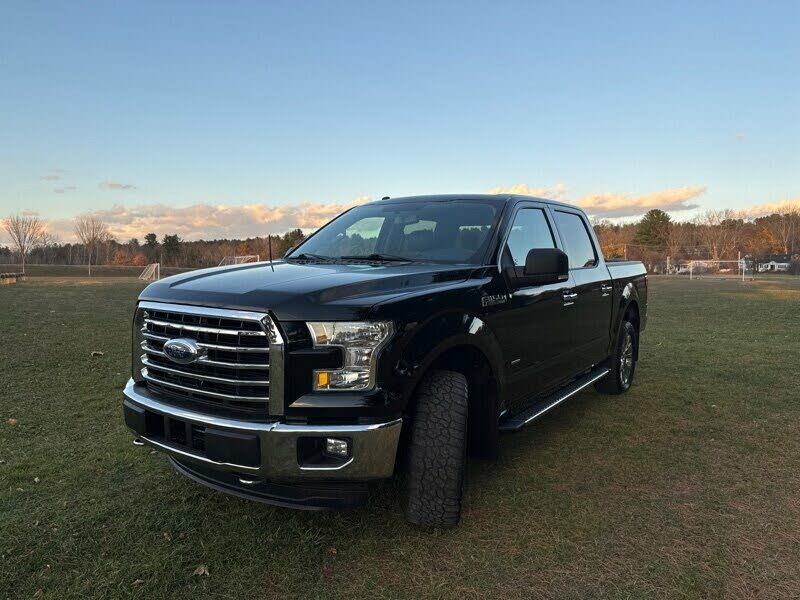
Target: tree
292, 238
151, 246
716, 229
781, 227
92, 232
47, 243
653, 230
613, 238
679, 239
25, 233
171, 245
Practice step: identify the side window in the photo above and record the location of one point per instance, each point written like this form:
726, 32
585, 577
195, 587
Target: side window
529, 230
576, 238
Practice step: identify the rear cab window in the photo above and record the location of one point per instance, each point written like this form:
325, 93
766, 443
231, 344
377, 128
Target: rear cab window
577, 241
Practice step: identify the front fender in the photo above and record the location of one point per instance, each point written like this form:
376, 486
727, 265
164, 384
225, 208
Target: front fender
442, 332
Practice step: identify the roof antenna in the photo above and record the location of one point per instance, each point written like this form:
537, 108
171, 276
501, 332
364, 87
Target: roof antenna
385, 198
269, 243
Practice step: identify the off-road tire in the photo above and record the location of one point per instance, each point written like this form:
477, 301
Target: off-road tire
623, 362
437, 451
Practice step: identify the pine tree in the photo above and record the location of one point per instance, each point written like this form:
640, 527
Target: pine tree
653, 230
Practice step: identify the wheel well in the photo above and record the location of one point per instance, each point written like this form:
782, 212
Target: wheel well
483, 397
632, 315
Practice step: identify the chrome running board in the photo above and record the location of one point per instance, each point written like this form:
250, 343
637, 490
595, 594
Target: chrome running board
532, 413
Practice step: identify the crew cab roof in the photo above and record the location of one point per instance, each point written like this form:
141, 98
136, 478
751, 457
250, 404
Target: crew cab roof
496, 199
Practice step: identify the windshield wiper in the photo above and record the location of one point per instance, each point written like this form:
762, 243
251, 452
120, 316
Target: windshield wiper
309, 256
378, 257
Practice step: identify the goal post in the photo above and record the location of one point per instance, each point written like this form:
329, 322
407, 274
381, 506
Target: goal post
239, 260
741, 269
152, 272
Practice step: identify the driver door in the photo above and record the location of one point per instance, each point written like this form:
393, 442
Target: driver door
536, 325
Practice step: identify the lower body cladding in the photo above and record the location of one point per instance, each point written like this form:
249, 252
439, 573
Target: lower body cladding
302, 466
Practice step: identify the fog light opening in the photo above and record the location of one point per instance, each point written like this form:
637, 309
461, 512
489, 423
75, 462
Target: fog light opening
337, 448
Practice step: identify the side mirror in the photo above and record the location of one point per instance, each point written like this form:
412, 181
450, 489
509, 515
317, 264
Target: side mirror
542, 266
290, 250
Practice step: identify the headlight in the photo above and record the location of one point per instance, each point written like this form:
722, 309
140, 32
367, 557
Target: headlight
360, 342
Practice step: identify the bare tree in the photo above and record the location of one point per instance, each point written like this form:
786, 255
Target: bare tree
680, 239
718, 231
47, 243
781, 227
92, 232
25, 233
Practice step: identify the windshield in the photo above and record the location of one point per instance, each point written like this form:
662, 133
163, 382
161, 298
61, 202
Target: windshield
450, 231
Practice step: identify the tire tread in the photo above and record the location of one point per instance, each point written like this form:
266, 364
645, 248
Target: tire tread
437, 451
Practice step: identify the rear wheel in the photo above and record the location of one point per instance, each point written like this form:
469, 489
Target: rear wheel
623, 362
438, 450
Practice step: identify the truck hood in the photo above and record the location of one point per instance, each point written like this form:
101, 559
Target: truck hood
296, 291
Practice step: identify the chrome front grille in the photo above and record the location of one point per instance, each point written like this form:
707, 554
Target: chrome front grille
232, 370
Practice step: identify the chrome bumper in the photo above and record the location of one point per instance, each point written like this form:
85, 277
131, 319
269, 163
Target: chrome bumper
373, 446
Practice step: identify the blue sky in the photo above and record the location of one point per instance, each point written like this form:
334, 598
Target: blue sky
156, 112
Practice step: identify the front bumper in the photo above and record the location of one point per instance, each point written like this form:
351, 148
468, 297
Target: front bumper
254, 452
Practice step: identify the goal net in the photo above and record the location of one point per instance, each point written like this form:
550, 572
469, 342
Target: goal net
716, 269
151, 272
239, 260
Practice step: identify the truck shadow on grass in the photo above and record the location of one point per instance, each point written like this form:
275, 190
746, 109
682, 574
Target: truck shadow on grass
518, 464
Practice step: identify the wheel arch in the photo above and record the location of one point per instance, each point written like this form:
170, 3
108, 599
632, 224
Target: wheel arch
631, 312
472, 350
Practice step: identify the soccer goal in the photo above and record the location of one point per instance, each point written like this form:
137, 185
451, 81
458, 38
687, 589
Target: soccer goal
717, 269
151, 272
239, 260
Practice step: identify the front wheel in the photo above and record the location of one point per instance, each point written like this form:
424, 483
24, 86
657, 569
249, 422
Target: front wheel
438, 450
623, 362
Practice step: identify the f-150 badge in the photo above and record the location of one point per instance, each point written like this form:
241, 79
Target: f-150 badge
492, 300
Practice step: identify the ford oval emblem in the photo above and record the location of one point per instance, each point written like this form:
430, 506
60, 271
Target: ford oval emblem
182, 351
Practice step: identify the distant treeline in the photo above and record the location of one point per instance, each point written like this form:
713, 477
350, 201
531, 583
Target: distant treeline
656, 240
715, 235
170, 251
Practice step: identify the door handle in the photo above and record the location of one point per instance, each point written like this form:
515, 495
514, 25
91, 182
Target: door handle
569, 297
606, 289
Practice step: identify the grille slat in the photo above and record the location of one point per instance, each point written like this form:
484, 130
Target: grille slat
161, 338
204, 329
149, 377
151, 365
208, 361
233, 369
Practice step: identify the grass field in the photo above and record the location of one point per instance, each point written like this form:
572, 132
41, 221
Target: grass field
687, 487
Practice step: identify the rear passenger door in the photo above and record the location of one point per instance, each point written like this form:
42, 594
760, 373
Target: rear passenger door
591, 287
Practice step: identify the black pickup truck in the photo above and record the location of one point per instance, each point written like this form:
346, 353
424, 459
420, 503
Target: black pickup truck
405, 333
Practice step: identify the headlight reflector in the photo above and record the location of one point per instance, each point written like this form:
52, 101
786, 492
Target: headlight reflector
361, 341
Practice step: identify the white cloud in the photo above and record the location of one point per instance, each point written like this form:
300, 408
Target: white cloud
553, 192
626, 205
113, 185
760, 210
611, 204
206, 221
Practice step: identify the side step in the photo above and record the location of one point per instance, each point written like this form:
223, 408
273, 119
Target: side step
532, 413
